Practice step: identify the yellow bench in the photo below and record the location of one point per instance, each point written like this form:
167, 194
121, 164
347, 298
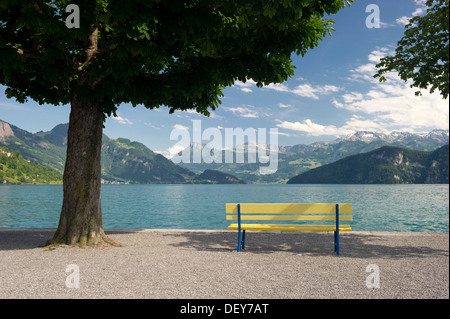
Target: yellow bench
289, 212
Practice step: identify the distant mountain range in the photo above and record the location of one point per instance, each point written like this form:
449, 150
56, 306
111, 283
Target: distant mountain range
123, 161
297, 159
386, 165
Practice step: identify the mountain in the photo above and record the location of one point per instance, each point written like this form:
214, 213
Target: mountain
132, 162
123, 161
386, 165
297, 159
14, 169
34, 147
419, 141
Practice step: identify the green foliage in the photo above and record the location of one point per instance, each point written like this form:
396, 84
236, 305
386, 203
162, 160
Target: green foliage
180, 54
16, 170
423, 53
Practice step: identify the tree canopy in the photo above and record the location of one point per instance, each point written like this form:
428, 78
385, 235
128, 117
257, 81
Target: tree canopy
180, 54
423, 53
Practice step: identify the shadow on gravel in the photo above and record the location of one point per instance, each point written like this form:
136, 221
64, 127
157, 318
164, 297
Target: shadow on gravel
17, 239
353, 245
24, 239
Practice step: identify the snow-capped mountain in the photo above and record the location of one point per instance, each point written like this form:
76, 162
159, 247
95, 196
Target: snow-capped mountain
420, 141
439, 136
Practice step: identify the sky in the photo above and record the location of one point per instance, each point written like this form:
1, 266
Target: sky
332, 94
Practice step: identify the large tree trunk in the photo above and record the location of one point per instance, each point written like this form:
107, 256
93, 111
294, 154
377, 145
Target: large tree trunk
80, 222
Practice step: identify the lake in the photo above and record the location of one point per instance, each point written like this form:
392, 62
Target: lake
400, 208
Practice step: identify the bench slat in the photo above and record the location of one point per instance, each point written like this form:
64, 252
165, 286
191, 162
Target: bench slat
289, 217
290, 227
250, 208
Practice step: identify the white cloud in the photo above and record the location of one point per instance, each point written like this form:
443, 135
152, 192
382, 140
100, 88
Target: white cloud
420, 10
277, 87
247, 86
305, 90
359, 123
364, 73
352, 125
123, 120
153, 126
180, 127
244, 112
313, 129
386, 24
284, 106
381, 107
376, 55
393, 104
351, 97
403, 20
172, 151
188, 112
285, 134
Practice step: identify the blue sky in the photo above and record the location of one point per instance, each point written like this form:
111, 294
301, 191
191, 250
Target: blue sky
332, 93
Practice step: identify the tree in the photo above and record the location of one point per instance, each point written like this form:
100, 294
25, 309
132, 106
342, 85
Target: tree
173, 53
423, 53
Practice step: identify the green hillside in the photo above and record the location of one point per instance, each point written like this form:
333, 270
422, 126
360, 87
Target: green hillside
14, 169
123, 161
386, 165
216, 177
127, 161
36, 147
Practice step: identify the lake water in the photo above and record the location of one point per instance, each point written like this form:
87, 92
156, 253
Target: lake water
416, 208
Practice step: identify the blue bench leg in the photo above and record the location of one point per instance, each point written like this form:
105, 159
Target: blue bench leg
239, 241
336, 242
239, 228
336, 233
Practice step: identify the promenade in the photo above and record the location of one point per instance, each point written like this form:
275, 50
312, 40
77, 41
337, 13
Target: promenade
191, 264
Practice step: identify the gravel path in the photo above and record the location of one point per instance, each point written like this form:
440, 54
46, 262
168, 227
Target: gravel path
204, 264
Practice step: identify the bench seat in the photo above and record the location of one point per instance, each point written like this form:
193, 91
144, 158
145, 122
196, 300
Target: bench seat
290, 227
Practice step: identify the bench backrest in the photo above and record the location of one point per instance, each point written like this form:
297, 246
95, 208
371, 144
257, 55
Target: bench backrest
316, 212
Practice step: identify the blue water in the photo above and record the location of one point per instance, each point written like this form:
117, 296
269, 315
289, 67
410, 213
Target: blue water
416, 208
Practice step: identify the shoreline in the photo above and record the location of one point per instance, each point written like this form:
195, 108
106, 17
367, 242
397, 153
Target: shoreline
204, 264
133, 230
